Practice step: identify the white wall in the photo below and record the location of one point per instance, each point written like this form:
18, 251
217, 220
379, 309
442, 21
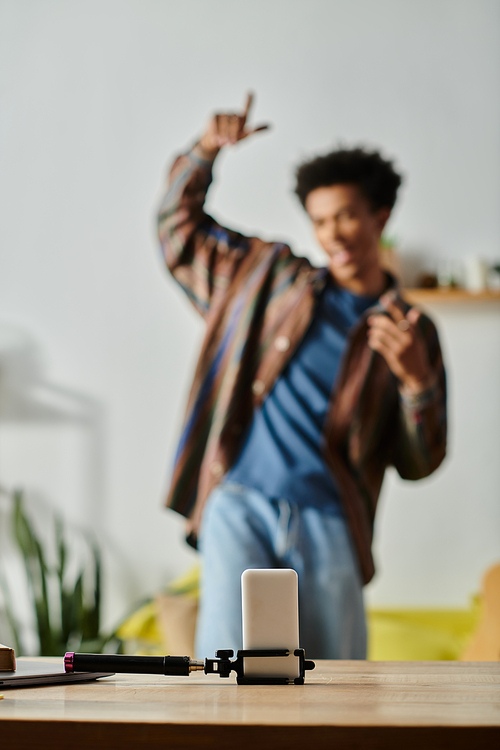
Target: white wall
95, 96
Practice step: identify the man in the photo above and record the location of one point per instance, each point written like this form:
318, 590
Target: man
310, 383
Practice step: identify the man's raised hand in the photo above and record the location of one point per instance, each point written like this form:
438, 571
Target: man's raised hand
227, 128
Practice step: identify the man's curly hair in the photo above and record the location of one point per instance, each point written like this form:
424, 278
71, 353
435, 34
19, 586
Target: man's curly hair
375, 177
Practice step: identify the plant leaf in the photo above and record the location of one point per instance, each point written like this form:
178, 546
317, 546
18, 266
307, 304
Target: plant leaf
9, 613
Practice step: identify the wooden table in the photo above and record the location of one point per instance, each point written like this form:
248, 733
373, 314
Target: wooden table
344, 704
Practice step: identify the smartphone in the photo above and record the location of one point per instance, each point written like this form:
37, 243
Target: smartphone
270, 608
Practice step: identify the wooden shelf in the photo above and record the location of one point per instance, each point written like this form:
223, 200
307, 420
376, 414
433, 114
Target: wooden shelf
447, 296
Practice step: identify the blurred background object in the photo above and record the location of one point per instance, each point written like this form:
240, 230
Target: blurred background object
390, 258
494, 277
475, 274
448, 273
485, 645
61, 582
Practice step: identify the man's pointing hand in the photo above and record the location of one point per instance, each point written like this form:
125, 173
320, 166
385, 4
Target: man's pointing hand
228, 128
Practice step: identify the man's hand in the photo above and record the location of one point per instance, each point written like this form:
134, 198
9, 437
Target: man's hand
399, 341
228, 128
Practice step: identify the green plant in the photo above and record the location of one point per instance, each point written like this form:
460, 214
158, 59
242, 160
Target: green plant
388, 242
67, 608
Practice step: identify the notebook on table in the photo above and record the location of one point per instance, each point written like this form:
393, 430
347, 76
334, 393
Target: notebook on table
30, 673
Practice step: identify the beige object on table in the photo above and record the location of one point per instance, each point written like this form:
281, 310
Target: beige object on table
485, 644
177, 619
7, 659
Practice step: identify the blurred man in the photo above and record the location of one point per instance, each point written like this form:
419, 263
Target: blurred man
310, 382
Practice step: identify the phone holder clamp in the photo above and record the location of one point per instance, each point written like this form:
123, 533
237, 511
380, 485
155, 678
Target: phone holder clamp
223, 666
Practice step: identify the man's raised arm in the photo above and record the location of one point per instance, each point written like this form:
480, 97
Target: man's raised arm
201, 255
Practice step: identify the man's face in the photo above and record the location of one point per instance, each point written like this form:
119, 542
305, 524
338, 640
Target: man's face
348, 230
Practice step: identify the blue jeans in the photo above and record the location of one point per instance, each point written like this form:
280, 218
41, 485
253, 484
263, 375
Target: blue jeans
242, 529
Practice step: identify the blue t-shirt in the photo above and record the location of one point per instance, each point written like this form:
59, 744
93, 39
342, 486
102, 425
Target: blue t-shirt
281, 454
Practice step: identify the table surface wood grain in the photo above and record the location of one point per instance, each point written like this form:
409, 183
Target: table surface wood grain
343, 704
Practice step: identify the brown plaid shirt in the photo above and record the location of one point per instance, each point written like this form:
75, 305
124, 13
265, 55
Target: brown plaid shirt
258, 300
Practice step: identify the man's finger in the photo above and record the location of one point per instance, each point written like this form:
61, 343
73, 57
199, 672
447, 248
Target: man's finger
248, 105
258, 129
384, 323
413, 315
385, 338
221, 128
393, 310
246, 133
233, 127
378, 345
